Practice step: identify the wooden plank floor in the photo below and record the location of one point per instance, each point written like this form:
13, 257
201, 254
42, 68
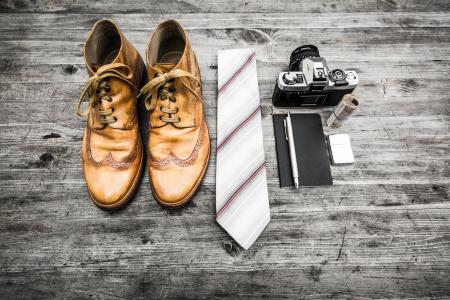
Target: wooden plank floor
382, 230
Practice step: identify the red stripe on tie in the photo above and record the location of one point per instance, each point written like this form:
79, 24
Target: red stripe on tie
228, 138
247, 62
240, 189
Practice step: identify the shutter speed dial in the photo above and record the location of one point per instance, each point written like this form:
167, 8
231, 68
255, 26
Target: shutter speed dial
337, 74
291, 78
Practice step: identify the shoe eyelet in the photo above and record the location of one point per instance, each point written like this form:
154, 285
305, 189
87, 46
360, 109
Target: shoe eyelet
115, 119
107, 88
172, 89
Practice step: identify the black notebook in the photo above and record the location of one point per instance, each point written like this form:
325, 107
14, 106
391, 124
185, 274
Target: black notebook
312, 155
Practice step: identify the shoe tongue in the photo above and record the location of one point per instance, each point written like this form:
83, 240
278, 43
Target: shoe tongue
95, 67
164, 67
113, 57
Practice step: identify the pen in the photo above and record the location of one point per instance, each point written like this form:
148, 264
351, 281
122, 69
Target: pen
293, 156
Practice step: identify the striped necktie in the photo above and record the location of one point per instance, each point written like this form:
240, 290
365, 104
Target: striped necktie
242, 201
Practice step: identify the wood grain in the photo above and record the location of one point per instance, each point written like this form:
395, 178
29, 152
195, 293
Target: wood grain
381, 231
220, 6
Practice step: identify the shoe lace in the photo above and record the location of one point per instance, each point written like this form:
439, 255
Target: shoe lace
97, 89
163, 83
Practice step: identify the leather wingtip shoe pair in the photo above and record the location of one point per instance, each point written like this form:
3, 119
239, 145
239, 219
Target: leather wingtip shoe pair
112, 151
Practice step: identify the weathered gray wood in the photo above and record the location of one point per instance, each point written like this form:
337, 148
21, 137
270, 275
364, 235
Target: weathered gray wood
381, 231
220, 6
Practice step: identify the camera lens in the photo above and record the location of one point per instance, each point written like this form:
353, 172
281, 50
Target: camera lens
300, 53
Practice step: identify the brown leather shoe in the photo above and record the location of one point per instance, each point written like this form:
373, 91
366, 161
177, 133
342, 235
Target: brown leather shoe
112, 148
178, 141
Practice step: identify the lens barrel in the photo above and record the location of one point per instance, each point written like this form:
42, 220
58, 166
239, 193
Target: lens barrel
300, 53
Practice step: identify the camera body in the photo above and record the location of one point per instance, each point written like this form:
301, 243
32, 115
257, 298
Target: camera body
309, 82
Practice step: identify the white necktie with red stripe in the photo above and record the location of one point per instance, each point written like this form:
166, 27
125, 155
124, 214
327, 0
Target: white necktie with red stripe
242, 200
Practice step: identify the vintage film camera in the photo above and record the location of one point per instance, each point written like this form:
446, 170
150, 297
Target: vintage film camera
309, 82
